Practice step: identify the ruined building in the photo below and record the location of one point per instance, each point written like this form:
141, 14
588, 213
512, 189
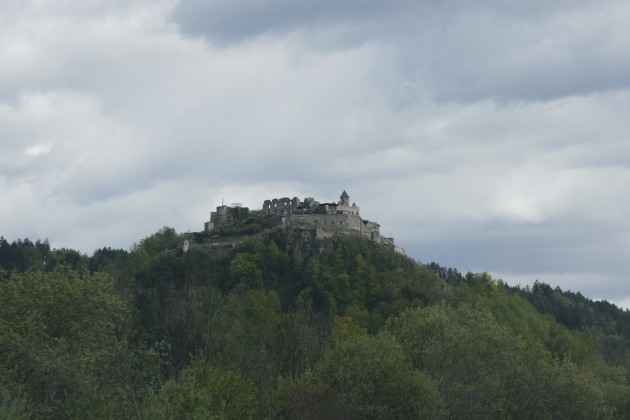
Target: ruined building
323, 219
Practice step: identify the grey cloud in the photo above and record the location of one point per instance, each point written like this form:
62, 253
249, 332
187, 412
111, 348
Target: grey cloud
237, 20
233, 21
551, 249
453, 50
437, 117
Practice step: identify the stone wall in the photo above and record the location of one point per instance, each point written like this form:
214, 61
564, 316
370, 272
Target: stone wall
324, 219
226, 215
329, 224
281, 206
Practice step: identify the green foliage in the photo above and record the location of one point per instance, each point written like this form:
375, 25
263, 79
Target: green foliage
240, 227
483, 370
284, 326
572, 392
65, 257
303, 337
163, 240
345, 328
450, 275
12, 408
25, 256
473, 359
64, 341
111, 261
244, 270
576, 312
362, 378
204, 392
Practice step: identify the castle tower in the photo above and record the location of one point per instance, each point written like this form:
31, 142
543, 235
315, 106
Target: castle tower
345, 199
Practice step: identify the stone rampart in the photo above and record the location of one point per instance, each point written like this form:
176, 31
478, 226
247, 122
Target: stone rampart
327, 225
324, 219
281, 206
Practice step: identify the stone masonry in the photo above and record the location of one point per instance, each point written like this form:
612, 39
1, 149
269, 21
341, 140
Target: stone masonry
324, 219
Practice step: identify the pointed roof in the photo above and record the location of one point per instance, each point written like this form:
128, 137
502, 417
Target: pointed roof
344, 194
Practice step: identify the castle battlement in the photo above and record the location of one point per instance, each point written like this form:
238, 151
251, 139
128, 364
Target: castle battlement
324, 219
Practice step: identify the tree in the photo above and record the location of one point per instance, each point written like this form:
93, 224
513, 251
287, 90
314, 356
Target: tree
362, 378
474, 360
204, 392
245, 339
244, 270
484, 371
64, 344
12, 408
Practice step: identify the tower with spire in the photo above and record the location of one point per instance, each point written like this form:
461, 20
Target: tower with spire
345, 199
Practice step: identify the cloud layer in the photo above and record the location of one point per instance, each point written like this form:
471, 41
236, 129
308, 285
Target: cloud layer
491, 136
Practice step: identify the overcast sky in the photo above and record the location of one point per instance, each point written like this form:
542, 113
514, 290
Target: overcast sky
487, 136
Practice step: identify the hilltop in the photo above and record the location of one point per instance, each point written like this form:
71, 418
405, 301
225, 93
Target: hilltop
319, 220
283, 323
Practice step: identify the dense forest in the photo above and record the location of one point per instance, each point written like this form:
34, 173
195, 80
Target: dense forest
282, 326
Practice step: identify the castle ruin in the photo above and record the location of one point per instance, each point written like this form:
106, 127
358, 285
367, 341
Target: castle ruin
325, 220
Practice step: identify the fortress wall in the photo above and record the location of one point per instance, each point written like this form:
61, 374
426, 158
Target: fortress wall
325, 219
322, 225
388, 241
225, 215
327, 225
353, 209
280, 206
327, 222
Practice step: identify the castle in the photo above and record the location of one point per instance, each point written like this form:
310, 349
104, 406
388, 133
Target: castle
324, 220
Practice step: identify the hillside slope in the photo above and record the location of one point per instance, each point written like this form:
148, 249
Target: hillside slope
282, 325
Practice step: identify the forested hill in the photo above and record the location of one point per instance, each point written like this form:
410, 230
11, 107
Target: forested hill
283, 326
